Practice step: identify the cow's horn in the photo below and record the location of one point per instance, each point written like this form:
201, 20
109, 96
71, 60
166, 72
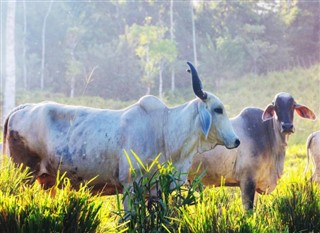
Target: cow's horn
196, 83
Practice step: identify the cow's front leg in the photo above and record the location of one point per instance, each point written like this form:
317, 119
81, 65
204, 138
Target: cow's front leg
248, 187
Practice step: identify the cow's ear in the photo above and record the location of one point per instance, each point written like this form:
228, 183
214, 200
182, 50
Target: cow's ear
205, 119
268, 113
304, 112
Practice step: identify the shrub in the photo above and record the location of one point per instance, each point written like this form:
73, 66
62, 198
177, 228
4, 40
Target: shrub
155, 198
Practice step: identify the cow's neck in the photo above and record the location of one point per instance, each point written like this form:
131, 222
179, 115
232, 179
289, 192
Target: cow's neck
181, 133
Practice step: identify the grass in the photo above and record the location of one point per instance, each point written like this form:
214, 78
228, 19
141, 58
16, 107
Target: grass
28, 208
294, 206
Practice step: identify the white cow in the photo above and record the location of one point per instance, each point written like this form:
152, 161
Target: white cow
313, 154
87, 142
257, 164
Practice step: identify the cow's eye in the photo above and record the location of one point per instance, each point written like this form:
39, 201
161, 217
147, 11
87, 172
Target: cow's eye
218, 110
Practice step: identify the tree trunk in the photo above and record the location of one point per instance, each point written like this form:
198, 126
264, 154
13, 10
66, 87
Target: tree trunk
193, 36
25, 80
72, 86
172, 38
160, 82
147, 74
10, 78
44, 26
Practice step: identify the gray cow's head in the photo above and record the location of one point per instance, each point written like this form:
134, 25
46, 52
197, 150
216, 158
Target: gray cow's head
215, 124
282, 108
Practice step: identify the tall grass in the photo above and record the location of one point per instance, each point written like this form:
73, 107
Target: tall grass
155, 198
292, 207
159, 203
28, 208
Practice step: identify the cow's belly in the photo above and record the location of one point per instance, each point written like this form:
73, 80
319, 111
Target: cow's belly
81, 163
89, 167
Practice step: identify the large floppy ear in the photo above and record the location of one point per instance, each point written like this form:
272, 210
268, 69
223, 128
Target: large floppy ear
205, 119
268, 113
304, 112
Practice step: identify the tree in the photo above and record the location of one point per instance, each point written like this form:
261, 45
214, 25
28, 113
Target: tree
194, 43
154, 52
172, 39
162, 53
24, 53
43, 36
141, 38
302, 19
10, 78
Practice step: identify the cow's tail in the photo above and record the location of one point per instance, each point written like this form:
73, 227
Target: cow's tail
5, 126
308, 144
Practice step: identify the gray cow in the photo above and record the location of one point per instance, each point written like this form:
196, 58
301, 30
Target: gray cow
313, 154
257, 164
88, 142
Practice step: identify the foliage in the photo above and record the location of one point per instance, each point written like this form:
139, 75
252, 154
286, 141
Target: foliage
25, 208
233, 38
155, 198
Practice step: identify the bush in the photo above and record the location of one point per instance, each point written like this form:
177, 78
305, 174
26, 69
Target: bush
155, 199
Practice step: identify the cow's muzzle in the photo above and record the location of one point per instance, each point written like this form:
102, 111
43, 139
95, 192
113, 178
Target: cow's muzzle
287, 128
235, 144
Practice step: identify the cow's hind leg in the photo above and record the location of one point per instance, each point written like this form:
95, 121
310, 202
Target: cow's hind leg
248, 187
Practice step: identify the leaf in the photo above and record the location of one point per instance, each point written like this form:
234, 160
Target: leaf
138, 160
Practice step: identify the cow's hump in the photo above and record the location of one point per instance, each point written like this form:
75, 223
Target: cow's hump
151, 103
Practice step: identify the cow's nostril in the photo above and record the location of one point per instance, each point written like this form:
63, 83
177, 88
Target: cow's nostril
237, 142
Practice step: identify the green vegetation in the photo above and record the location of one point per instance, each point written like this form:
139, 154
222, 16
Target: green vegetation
28, 208
119, 49
156, 197
293, 207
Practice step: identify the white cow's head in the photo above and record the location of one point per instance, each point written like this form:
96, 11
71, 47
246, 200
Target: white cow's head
215, 124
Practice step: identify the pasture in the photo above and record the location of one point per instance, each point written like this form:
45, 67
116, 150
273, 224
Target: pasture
293, 207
